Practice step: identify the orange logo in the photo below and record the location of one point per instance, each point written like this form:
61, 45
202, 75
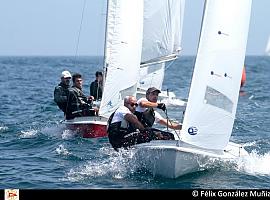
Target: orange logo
11, 194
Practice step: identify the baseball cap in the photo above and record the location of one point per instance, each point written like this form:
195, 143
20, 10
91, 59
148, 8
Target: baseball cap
152, 89
65, 74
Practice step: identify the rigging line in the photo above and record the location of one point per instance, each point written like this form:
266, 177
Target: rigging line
170, 64
168, 120
79, 33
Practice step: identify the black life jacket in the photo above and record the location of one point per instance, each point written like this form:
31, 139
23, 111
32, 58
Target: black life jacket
109, 123
64, 92
147, 118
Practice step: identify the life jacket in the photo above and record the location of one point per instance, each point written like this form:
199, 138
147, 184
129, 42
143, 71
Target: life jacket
109, 122
96, 90
147, 118
63, 89
78, 104
119, 126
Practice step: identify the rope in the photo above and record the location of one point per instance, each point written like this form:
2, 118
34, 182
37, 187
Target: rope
169, 64
79, 33
168, 120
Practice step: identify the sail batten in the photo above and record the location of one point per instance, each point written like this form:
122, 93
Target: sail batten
214, 91
159, 60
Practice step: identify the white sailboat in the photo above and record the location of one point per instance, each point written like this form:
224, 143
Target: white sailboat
213, 96
162, 33
122, 55
267, 48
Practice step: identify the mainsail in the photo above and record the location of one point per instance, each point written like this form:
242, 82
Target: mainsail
162, 33
214, 91
123, 46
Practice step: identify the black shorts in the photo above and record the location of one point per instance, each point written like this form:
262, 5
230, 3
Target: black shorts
123, 138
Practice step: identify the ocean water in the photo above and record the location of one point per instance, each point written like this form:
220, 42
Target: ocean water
37, 152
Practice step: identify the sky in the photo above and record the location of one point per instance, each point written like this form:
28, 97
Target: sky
51, 27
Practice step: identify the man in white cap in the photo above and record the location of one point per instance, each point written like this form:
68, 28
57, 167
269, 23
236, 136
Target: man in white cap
61, 91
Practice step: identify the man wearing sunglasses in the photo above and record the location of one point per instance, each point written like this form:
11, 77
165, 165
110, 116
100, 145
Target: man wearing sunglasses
124, 128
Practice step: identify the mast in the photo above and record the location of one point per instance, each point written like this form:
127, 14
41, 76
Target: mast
105, 47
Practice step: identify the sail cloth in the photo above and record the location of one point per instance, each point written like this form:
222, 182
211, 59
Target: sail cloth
123, 46
162, 33
214, 91
267, 48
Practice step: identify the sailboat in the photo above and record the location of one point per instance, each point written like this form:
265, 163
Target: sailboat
122, 55
213, 96
162, 33
267, 48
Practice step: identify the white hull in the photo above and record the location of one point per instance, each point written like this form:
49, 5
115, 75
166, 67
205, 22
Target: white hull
172, 159
163, 95
168, 98
87, 120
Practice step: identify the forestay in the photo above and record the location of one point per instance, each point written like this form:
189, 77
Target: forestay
123, 46
162, 33
214, 91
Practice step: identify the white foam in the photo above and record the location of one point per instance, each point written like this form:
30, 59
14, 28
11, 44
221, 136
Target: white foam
29, 134
255, 164
118, 165
67, 134
3, 128
61, 150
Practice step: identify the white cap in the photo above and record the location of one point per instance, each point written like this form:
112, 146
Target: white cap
65, 74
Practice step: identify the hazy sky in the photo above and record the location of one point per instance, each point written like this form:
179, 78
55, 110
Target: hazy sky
51, 27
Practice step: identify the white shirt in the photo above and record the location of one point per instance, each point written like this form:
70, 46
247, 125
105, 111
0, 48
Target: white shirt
120, 114
158, 117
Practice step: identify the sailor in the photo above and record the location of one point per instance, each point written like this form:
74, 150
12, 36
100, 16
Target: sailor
78, 103
125, 130
96, 86
148, 116
61, 91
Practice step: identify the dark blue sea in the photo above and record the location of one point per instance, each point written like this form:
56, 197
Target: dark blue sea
38, 152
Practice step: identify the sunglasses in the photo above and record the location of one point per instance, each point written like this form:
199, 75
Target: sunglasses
133, 104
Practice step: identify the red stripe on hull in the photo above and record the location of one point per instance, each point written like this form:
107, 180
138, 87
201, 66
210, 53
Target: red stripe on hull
89, 130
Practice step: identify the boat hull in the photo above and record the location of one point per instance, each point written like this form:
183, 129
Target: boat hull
88, 127
164, 95
172, 159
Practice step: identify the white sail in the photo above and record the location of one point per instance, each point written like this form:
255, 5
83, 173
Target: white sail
162, 33
123, 52
214, 91
267, 49
152, 75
